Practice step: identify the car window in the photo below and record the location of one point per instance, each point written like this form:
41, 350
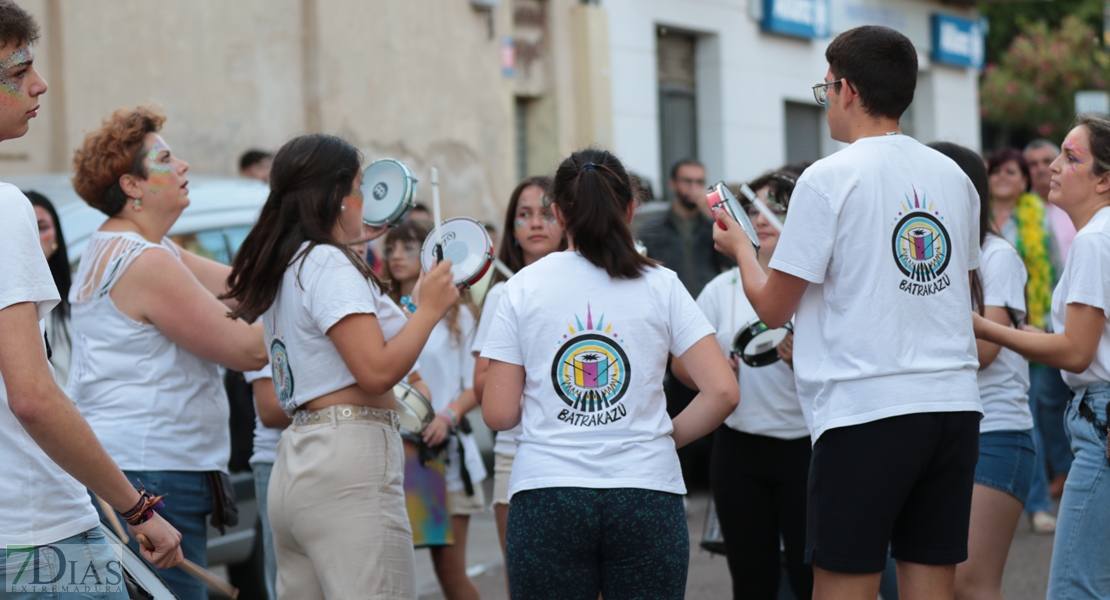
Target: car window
217, 244
235, 236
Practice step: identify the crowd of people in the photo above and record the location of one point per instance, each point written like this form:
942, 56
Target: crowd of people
946, 366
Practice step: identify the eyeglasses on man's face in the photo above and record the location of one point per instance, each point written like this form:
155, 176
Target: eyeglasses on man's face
821, 90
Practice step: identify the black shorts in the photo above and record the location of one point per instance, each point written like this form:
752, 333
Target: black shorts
904, 481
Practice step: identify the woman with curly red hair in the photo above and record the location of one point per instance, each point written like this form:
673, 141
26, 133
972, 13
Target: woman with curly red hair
148, 329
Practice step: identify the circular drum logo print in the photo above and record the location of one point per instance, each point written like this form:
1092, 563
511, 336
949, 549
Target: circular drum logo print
590, 373
282, 372
921, 247
380, 190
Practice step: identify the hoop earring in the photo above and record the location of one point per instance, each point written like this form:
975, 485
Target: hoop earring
137, 204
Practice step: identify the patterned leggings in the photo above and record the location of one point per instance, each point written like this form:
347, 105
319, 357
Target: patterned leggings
571, 543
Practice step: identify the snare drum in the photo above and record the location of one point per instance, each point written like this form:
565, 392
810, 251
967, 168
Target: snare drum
756, 343
720, 197
466, 244
413, 409
389, 192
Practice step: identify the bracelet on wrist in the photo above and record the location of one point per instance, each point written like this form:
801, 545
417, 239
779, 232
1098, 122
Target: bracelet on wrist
143, 510
452, 415
407, 304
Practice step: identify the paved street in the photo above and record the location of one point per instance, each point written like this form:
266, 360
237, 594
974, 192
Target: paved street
1026, 574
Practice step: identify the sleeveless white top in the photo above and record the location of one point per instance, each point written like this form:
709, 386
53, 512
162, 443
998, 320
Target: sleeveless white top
154, 405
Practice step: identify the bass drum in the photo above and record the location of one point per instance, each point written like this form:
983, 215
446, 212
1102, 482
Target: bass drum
140, 580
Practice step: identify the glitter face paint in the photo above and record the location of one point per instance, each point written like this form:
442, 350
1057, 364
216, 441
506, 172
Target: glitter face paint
158, 173
1074, 158
11, 86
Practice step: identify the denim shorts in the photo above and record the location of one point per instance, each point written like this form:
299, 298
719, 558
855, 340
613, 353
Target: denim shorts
1006, 460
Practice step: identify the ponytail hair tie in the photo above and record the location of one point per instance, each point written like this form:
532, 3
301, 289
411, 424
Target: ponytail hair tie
588, 166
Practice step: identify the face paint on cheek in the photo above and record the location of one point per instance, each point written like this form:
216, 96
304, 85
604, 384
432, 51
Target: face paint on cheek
520, 224
11, 91
158, 173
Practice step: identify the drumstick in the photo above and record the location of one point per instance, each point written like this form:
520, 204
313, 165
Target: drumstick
501, 268
435, 213
113, 520
766, 212
202, 574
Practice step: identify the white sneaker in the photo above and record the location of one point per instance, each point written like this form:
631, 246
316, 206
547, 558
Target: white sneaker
1042, 522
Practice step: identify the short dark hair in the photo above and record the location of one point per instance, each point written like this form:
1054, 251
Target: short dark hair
689, 161
880, 63
252, 157
17, 26
1042, 143
1004, 155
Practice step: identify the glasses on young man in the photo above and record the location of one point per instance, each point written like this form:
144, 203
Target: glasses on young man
821, 90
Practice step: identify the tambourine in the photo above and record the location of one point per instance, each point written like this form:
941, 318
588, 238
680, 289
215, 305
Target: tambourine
466, 244
389, 192
755, 344
413, 408
720, 197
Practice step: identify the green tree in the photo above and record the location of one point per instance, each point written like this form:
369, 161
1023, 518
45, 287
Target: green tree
1008, 20
1033, 85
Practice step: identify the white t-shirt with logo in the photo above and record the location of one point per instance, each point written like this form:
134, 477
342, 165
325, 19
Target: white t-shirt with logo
594, 350
768, 397
41, 503
885, 231
316, 292
505, 441
1086, 280
1004, 385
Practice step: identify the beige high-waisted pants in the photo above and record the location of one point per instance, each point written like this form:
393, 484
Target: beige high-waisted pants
337, 511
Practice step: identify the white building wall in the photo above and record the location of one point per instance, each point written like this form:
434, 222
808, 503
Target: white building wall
745, 76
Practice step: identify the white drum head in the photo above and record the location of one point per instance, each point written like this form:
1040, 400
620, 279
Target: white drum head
766, 341
413, 409
466, 244
388, 189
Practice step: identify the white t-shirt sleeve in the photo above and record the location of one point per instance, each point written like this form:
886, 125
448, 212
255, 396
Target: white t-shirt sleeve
263, 373
24, 274
1004, 279
467, 324
485, 321
688, 322
973, 249
339, 291
806, 244
1089, 265
503, 342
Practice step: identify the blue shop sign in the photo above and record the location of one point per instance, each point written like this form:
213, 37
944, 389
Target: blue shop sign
798, 18
958, 41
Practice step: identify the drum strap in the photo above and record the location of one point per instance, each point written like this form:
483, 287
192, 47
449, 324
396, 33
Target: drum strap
464, 473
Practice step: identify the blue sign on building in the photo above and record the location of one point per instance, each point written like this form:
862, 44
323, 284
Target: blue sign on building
958, 41
798, 18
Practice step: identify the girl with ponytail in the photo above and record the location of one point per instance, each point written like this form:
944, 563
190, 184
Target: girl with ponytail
584, 336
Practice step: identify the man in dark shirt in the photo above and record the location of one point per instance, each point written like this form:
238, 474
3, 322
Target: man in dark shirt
682, 237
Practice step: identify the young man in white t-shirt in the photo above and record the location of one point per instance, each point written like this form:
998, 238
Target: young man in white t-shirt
874, 262
48, 451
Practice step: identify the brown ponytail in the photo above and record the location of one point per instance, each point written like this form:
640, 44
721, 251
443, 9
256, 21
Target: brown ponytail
593, 192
